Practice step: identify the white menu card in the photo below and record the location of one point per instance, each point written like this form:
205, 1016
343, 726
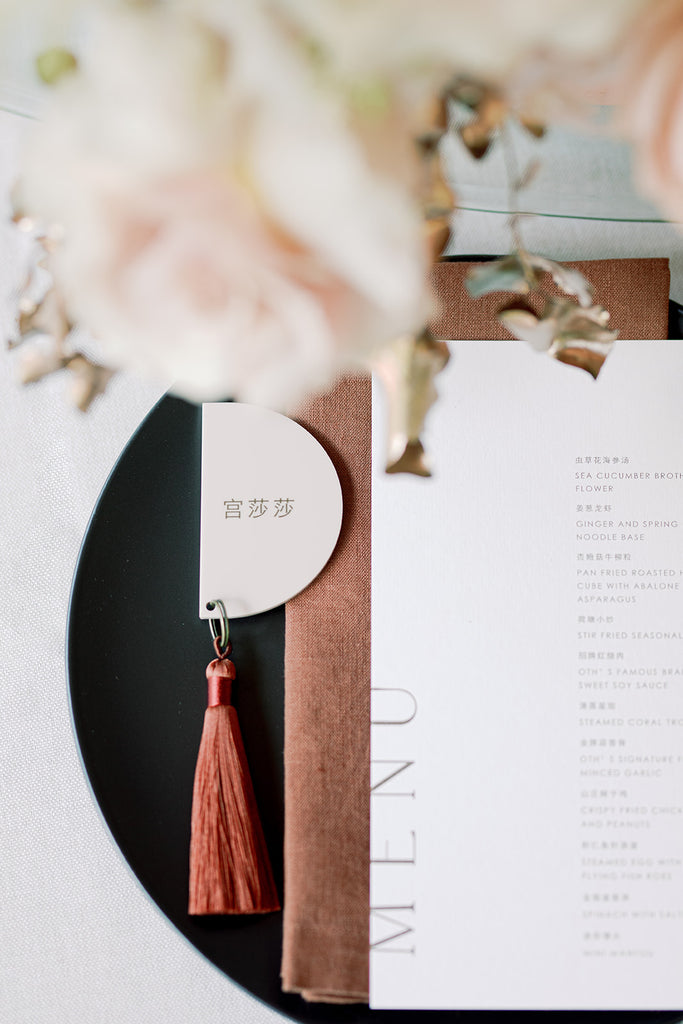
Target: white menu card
527, 646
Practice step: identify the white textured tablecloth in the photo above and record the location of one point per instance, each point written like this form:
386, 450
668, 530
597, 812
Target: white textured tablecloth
79, 939
80, 942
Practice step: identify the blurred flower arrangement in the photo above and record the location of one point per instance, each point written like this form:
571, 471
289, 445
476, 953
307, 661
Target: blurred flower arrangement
244, 198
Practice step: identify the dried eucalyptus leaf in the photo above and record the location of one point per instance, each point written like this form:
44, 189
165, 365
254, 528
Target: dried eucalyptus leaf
436, 233
88, 381
467, 91
585, 333
477, 137
566, 332
437, 112
526, 326
510, 274
577, 324
27, 225
37, 363
493, 110
438, 200
45, 317
407, 370
574, 331
479, 133
528, 175
412, 460
571, 281
534, 128
583, 358
438, 203
428, 142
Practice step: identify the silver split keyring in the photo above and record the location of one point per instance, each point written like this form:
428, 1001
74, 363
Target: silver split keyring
221, 634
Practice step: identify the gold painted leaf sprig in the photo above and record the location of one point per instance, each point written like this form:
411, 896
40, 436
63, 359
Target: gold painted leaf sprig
44, 331
572, 328
487, 110
409, 367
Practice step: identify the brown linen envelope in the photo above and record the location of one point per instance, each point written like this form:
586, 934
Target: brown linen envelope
634, 291
327, 655
327, 730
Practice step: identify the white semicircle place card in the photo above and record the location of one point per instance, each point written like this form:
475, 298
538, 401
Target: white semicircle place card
271, 508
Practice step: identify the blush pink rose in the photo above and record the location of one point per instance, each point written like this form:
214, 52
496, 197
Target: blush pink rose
222, 227
186, 280
651, 94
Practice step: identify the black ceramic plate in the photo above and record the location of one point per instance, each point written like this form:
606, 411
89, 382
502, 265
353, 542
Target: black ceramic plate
136, 658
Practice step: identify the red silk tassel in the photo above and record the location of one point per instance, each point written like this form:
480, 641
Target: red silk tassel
230, 870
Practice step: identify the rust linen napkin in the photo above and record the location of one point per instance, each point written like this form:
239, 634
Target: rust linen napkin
327, 657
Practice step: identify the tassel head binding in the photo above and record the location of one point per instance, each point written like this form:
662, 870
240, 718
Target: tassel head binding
220, 674
230, 870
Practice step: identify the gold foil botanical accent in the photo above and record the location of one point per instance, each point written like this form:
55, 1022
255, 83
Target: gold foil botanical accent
407, 370
435, 193
44, 325
510, 274
584, 358
572, 330
571, 334
521, 272
37, 363
88, 379
488, 109
408, 367
488, 112
438, 204
45, 317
